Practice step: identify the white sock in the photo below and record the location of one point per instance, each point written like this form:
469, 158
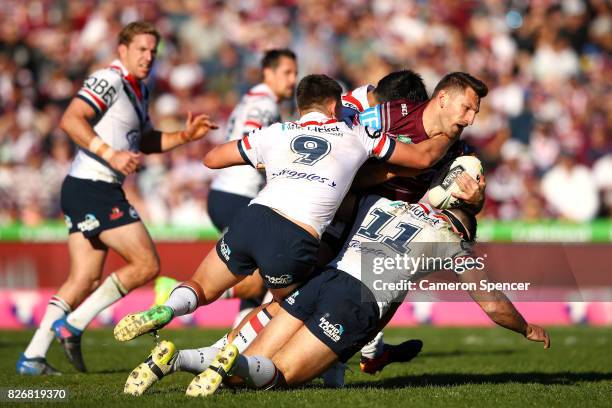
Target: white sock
183, 300
222, 342
110, 291
196, 360
251, 329
259, 372
56, 309
374, 348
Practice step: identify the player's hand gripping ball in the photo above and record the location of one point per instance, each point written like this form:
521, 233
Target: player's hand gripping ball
444, 183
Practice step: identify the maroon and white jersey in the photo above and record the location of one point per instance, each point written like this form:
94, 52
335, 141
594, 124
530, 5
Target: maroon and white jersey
404, 120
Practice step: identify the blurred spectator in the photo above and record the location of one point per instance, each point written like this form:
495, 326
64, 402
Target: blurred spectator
547, 64
570, 189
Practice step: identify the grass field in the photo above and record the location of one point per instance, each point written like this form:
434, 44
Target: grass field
457, 367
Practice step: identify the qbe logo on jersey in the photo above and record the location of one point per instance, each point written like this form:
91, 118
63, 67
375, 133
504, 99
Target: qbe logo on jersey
333, 331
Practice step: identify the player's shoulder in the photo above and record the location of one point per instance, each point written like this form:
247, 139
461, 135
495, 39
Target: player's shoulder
274, 128
357, 99
111, 75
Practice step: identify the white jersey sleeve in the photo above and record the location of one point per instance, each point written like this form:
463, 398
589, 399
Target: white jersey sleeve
257, 109
101, 90
378, 145
252, 146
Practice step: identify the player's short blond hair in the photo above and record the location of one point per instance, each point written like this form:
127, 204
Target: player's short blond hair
127, 33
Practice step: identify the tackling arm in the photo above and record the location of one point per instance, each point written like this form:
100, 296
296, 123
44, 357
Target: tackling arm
501, 310
224, 155
421, 155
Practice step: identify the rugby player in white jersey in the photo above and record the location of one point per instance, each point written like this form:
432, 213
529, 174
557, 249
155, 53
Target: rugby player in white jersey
234, 187
109, 121
310, 165
340, 308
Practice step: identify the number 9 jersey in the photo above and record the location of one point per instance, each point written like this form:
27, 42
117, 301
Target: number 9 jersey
311, 164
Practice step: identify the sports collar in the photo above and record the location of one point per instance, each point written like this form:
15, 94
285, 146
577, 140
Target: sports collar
134, 83
358, 97
262, 90
315, 118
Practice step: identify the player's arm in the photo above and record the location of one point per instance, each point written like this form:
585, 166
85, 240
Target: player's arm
196, 128
371, 174
237, 152
501, 310
420, 155
76, 122
224, 155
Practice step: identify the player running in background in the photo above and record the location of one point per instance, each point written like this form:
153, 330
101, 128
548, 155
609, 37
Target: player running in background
309, 166
340, 309
109, 121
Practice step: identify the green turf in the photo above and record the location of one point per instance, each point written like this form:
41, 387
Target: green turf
457, 367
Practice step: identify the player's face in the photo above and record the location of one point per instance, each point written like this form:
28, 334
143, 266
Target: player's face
139, 55
460, 111
282, 78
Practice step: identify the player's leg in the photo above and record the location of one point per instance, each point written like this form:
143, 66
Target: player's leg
86, 262
251, 292
344, 317
303, 358
377, 354
164, 359
133, 243
253, 367
222, 208
208, 283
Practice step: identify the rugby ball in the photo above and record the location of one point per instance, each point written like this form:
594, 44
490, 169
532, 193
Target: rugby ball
444, 184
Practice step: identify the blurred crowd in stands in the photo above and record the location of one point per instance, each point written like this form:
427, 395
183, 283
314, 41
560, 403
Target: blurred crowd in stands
544, 132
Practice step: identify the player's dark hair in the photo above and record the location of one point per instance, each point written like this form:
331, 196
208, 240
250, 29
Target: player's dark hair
315, 90
405, 84
127, 33
272, 58
462, 81
463, 221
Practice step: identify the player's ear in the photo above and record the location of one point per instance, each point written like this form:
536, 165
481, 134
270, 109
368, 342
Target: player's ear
442, 98
266, 72
333, 108
122, 49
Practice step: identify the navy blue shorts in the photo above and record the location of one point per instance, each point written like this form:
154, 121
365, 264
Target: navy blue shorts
259, 237
338, 309
223, 207
91, 207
